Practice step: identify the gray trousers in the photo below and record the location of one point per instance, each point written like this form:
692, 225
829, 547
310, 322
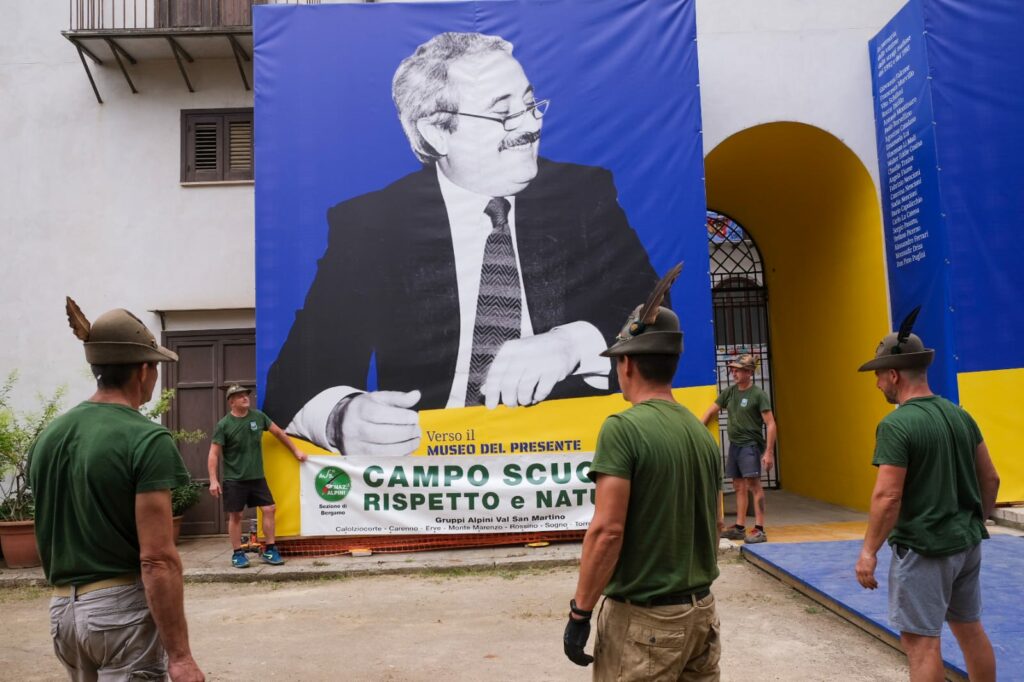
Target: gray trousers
108, 634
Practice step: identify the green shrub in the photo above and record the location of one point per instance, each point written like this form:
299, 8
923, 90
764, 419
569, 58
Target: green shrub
18, 430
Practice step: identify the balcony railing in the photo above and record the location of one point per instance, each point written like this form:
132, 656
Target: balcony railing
138, 15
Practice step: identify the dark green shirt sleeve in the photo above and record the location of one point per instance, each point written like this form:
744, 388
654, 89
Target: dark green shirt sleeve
157, 463
264, 421
892, 446
764, 402
614, 453
723, 397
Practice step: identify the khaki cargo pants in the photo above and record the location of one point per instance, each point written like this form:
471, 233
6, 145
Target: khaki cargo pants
657, 643
108, 634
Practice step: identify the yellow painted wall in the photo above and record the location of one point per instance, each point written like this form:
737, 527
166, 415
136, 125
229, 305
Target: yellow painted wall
811, 206
988, 396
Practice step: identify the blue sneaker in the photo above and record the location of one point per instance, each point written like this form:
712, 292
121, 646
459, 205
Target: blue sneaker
271, 556
239, 560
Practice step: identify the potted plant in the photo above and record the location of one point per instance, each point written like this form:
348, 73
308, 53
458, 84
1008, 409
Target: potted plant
17, 507
182, 498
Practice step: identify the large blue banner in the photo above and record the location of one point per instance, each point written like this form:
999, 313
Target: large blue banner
977, 71
948, 112
434, 180
916, 228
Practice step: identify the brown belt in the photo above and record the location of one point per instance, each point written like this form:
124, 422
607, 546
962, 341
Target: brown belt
86, 588
666, 599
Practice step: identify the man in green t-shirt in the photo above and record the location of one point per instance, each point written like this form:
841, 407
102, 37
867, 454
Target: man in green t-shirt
238, 437
651, 547
936, 485
749, 409
102, 476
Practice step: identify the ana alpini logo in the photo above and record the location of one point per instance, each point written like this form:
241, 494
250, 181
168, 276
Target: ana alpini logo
332, 484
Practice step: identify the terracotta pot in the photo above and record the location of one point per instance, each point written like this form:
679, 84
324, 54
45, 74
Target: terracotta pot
18, 540
176, 527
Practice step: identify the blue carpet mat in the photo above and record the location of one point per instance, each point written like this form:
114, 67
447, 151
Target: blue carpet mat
828, 567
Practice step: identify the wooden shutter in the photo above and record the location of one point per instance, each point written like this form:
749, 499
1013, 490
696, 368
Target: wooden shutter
216, 145
238, 147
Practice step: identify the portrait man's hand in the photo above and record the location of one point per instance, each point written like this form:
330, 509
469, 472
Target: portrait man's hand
525, 370
381, 423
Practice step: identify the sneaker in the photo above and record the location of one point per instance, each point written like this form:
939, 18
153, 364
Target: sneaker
756, 536
239, 560
271, 556
734, 533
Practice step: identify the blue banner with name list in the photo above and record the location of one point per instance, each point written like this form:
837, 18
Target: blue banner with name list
916, 228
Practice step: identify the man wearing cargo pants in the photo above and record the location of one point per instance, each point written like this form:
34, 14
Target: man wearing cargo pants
651, 547
102, 476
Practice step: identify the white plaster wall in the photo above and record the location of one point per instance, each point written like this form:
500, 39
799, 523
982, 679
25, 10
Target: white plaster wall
90, 200
790, 60
91, 204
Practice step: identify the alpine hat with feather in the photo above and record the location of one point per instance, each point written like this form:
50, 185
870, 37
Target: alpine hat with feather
116, 338
651, 329
901, 349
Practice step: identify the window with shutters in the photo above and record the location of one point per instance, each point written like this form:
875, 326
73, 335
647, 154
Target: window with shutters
216, 145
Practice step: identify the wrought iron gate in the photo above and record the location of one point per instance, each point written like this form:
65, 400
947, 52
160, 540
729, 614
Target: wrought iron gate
740, 304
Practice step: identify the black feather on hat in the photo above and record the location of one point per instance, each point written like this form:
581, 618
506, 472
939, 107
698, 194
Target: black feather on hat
901, 349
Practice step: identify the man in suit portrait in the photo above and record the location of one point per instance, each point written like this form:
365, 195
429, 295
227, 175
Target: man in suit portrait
482, 279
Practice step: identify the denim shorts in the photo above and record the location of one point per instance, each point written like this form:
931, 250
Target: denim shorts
925, 591
744, 461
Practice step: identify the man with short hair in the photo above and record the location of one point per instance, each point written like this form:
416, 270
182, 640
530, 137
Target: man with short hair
490, 276
102, 476
238, 437
652, 545
749, 410
936, 485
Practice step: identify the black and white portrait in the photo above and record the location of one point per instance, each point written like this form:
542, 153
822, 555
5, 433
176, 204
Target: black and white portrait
492, 276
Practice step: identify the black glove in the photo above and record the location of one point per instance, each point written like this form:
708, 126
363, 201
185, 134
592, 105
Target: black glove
577, 632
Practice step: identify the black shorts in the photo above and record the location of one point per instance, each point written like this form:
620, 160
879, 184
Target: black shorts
241, 494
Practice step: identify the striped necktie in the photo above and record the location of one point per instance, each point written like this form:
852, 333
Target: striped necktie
499, 308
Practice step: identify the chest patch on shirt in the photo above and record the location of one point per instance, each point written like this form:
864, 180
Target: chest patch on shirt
254, 427
743, 403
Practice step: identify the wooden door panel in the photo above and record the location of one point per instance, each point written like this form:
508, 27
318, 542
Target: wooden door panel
208, 361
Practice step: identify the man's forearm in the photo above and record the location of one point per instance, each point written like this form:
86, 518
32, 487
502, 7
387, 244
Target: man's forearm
212, 466
165, 594
885, 510
770, 437
709, 414
600, 555
989, 492
286, 441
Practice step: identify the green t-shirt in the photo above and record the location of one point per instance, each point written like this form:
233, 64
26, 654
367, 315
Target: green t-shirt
745, 408
241, 439
936, 442
85, 469
674, 467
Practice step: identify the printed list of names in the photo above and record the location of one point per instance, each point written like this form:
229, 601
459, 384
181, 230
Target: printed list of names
900, 146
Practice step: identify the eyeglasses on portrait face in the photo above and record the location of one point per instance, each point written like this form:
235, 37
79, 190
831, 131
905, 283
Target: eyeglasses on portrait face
512, 121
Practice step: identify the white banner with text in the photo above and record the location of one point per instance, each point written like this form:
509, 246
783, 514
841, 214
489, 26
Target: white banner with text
445, 495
